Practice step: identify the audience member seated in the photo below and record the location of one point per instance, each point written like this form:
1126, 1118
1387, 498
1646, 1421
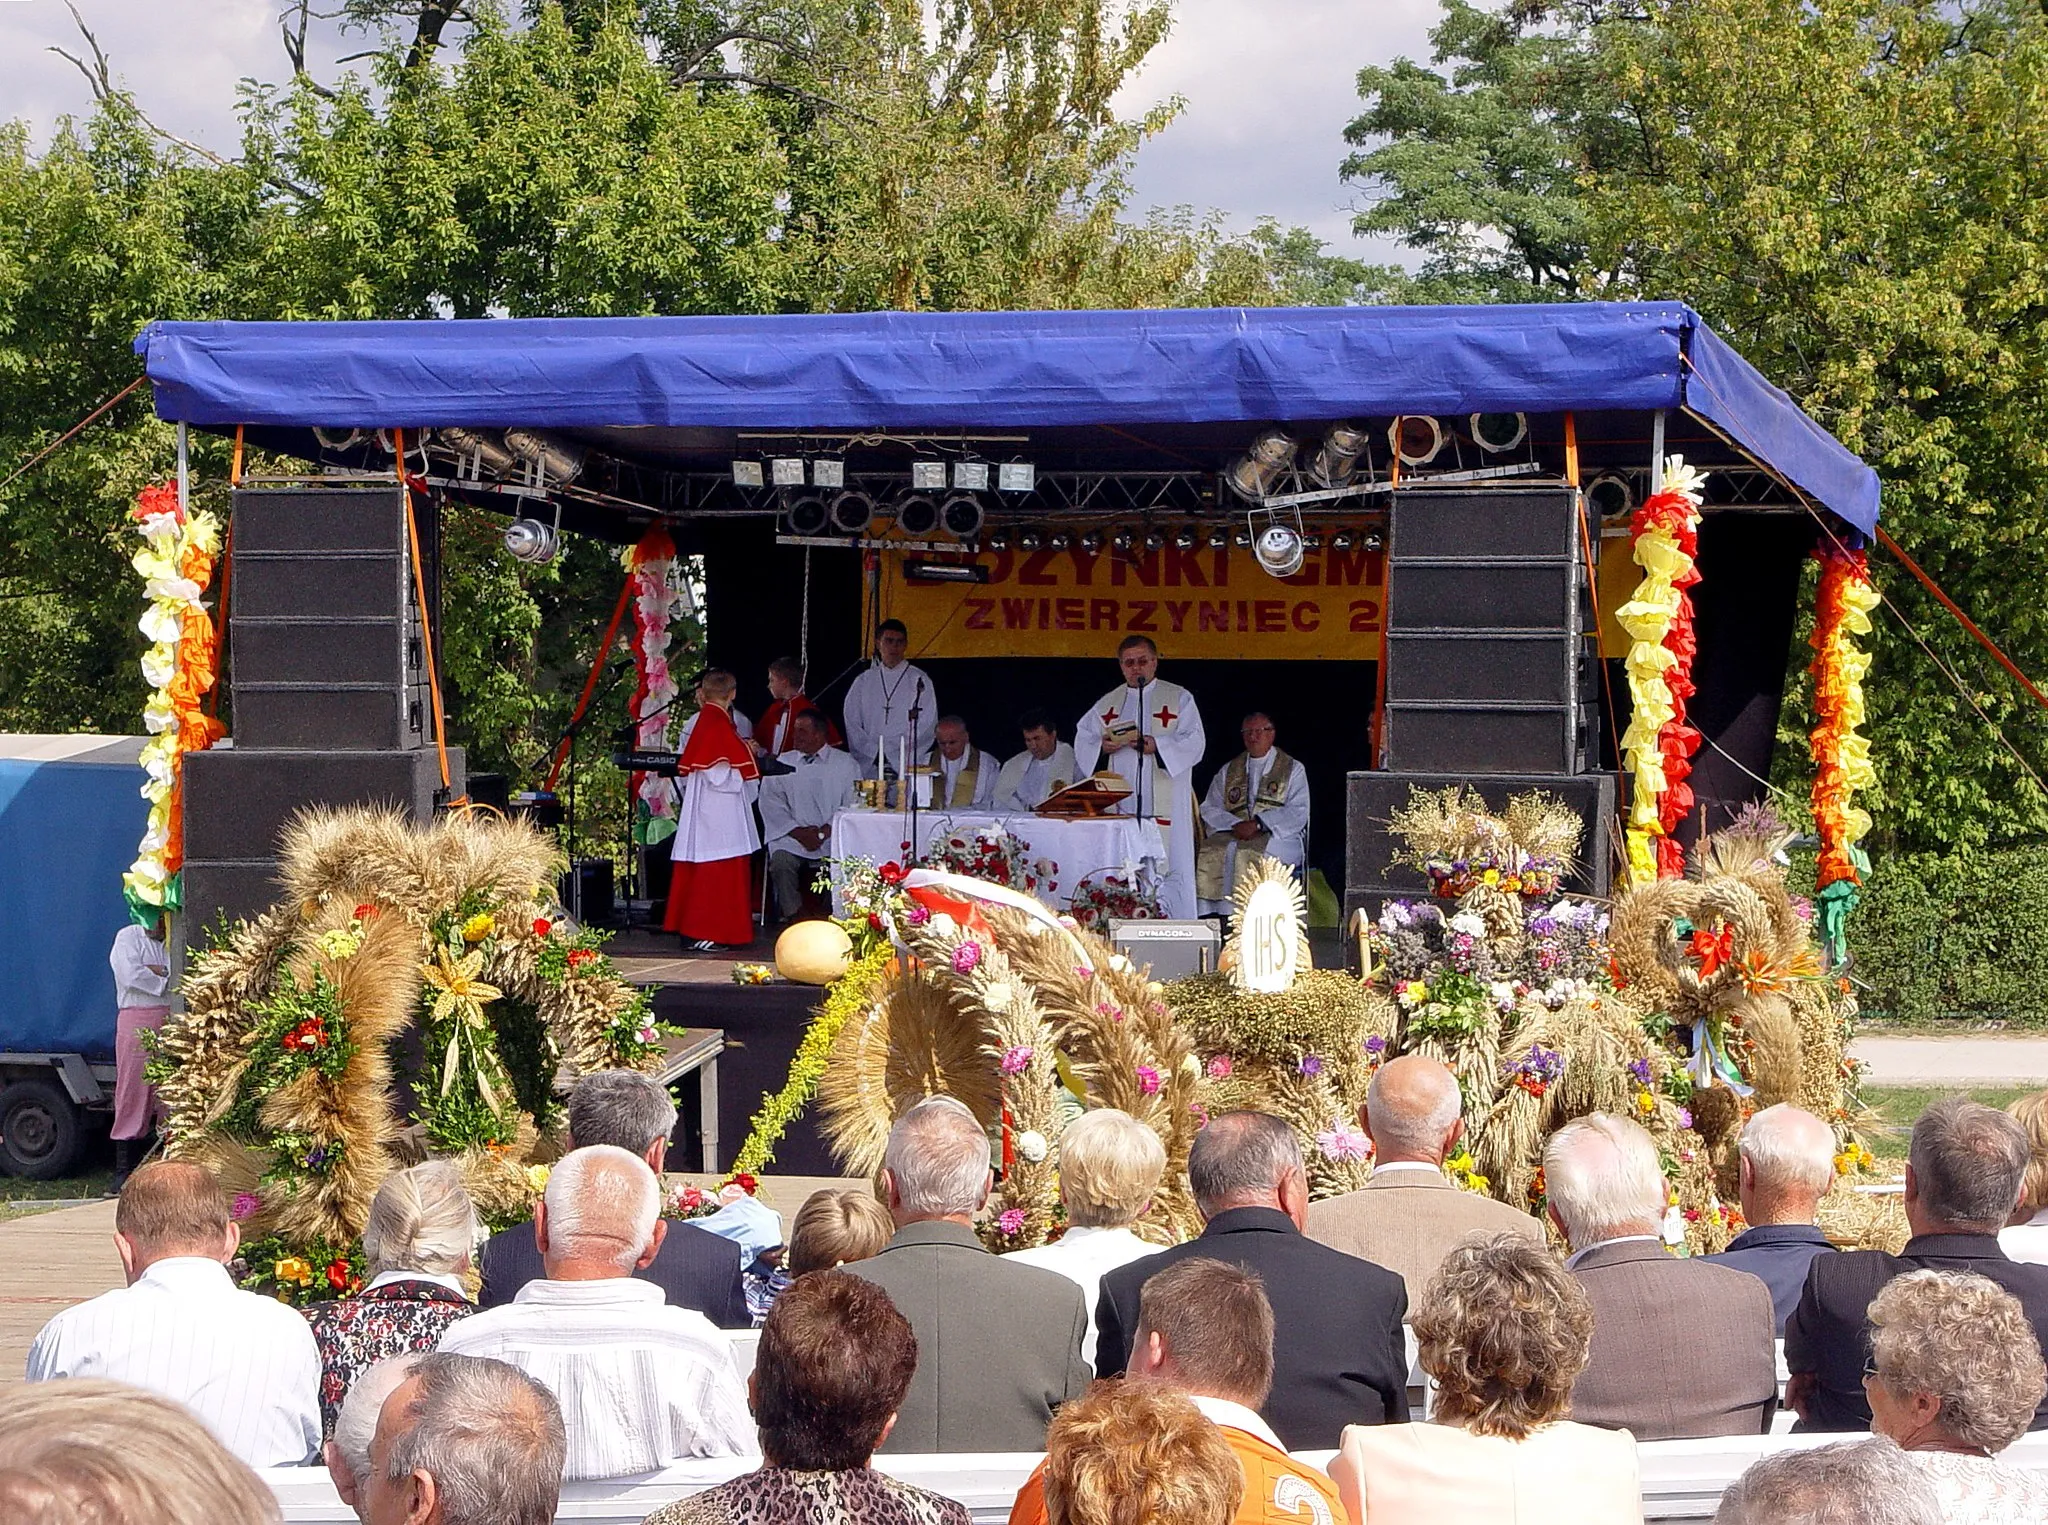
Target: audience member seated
1338, 1354
1954, 1379
347, 1452
836, 1226
642, 1383
1503, 1331
1139, 1453
1854, 1482
246, 1365
2026, 1236
1787, 1164
417, 1243
1001, 1341
1110, 1164
836, 1359
464, 1441
1409, 1216
1963, 1174
1680, 1348
92, 1452
1206, 1328
695, 1269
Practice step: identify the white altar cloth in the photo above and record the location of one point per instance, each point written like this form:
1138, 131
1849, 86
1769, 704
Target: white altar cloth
1081, 849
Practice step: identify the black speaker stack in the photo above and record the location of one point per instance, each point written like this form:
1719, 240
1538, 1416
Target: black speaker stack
328, 673
1488, 677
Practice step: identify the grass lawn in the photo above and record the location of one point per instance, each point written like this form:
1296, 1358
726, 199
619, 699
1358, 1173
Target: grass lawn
1894, 1109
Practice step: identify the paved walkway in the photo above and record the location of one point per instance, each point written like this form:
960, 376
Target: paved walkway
48, 1261
1974, 1061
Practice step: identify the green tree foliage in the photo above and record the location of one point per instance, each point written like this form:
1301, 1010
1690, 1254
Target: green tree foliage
1851, 192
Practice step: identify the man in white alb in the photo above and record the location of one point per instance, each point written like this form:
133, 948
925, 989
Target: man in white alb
879, 703
245, 1364
1256, 805
1151, 733
966, 775
1046, 764
797, 808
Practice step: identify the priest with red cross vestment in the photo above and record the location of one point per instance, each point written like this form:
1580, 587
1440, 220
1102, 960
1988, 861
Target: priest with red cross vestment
710, 900
1149, 731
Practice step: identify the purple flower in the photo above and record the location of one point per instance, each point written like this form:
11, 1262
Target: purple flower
1685, 1117
1220, 1067
1011, 1222
1017, 1060
967, 957
246, 1205
917, 915
1148, 1080
1375, 1045
1342, 1143
316, 1156
1083, 972
1311, 1065
1640, 1068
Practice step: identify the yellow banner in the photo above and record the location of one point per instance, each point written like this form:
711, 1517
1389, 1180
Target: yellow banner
1198, 604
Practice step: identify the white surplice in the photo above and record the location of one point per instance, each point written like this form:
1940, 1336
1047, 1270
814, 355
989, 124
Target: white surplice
716, 817
1287, 822
821, 784
878, 711
1166, 783
1025, 780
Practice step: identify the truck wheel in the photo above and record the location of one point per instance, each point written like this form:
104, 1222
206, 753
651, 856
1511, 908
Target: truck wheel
40, 1130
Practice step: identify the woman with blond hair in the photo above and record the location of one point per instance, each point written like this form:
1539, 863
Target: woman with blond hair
1953, 1378
418, 1243
1503, 1330
2026, 1236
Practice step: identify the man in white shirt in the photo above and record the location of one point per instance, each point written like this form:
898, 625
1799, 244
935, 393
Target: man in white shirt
1110, 1165
641, 1383
966, 775
1257, 805
797, 808
1046, 764
246, 1365
878, 706
1150, 732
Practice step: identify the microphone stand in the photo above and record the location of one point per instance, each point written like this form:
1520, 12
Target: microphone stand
1144, 762
908, 780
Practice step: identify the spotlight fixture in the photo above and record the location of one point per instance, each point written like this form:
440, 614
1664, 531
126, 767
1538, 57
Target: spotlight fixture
1091, 543
552, 459
1219, 540
1341, 540
1374, 540
828, 471
852, 511
1058, 543
1242, 540
1279, 550
917, 515
1154, 540
1415, 438
805, 514
477, 453
787, 471
970, 476
1016, 476
1337, 458
1184, 540
748, 474
928, 476
530, 540
1608, 495
1029, 540
945, 571
999, 541
1121, 540
962, 515
1312, 542
1253, 474
1496, 432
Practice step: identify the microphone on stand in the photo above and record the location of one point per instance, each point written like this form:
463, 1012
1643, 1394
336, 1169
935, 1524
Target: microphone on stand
909, 780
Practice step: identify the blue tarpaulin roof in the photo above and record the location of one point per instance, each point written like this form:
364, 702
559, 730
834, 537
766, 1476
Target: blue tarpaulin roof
901, 371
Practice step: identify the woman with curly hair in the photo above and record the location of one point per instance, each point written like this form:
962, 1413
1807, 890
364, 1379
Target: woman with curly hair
1954, 1377
1503, 1331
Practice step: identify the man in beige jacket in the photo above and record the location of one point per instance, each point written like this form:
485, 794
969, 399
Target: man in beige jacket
1409, 1216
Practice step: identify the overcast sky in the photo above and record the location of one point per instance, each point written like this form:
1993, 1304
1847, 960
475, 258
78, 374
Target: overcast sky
1269, 85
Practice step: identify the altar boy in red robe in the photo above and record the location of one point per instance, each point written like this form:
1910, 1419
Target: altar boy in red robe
710, 890
786, 688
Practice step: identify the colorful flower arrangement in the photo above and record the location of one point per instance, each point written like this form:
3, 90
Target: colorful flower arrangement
1658, 746
1103, 898
652, 574
995, 855
1841, 756
682, 1202
181, 665
872, 895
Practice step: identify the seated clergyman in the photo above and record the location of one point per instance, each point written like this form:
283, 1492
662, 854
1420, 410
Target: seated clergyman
1257, 805
1044, 766
966, 774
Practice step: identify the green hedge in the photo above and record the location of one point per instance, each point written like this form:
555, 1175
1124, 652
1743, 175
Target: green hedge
1954, 937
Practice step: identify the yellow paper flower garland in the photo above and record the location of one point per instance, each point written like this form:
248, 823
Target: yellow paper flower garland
1841, 756
181, 665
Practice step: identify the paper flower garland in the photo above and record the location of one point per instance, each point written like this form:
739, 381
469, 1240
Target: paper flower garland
1842, 608
182, 665
1657, 748
651, 572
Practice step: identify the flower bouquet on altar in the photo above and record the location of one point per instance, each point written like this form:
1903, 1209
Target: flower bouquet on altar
1101, 899
994, 855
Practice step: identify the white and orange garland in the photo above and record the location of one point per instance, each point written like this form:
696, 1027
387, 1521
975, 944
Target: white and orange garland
652, 571
182, 664
1657, 748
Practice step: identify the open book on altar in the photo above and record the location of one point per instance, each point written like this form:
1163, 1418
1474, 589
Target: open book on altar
1098, 795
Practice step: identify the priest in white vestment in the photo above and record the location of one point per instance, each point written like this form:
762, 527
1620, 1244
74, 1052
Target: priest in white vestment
965, 776
797, 809
1150, 732
710, 889
1046, 764
1257, 805
878, 706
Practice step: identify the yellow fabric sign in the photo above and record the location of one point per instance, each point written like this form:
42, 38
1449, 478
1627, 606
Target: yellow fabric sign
1198, 604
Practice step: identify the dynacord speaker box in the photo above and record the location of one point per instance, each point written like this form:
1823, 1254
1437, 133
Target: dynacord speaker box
1172, 948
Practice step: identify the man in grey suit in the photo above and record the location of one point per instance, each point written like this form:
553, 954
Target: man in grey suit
1409, 1216
1001, 1341
1680, 1348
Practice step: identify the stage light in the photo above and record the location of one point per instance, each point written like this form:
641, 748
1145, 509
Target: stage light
1415, 438
1091, 543
1495, 432
806, 514
928, 476
1242, 540
1058, 543
787, 471
1312, 542
828, 472
1184, 540
917, 515
970, 476
1121, 540
481, 453
530, 540
1253, 474
1374, 541
999, 541
852, 511
1154, 540
1016, 476
1338, 456
748, 474
1219, 540
553, 460
962, 515
1279, 550
1029, 540
945, 571
1341, 540
1608, 495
